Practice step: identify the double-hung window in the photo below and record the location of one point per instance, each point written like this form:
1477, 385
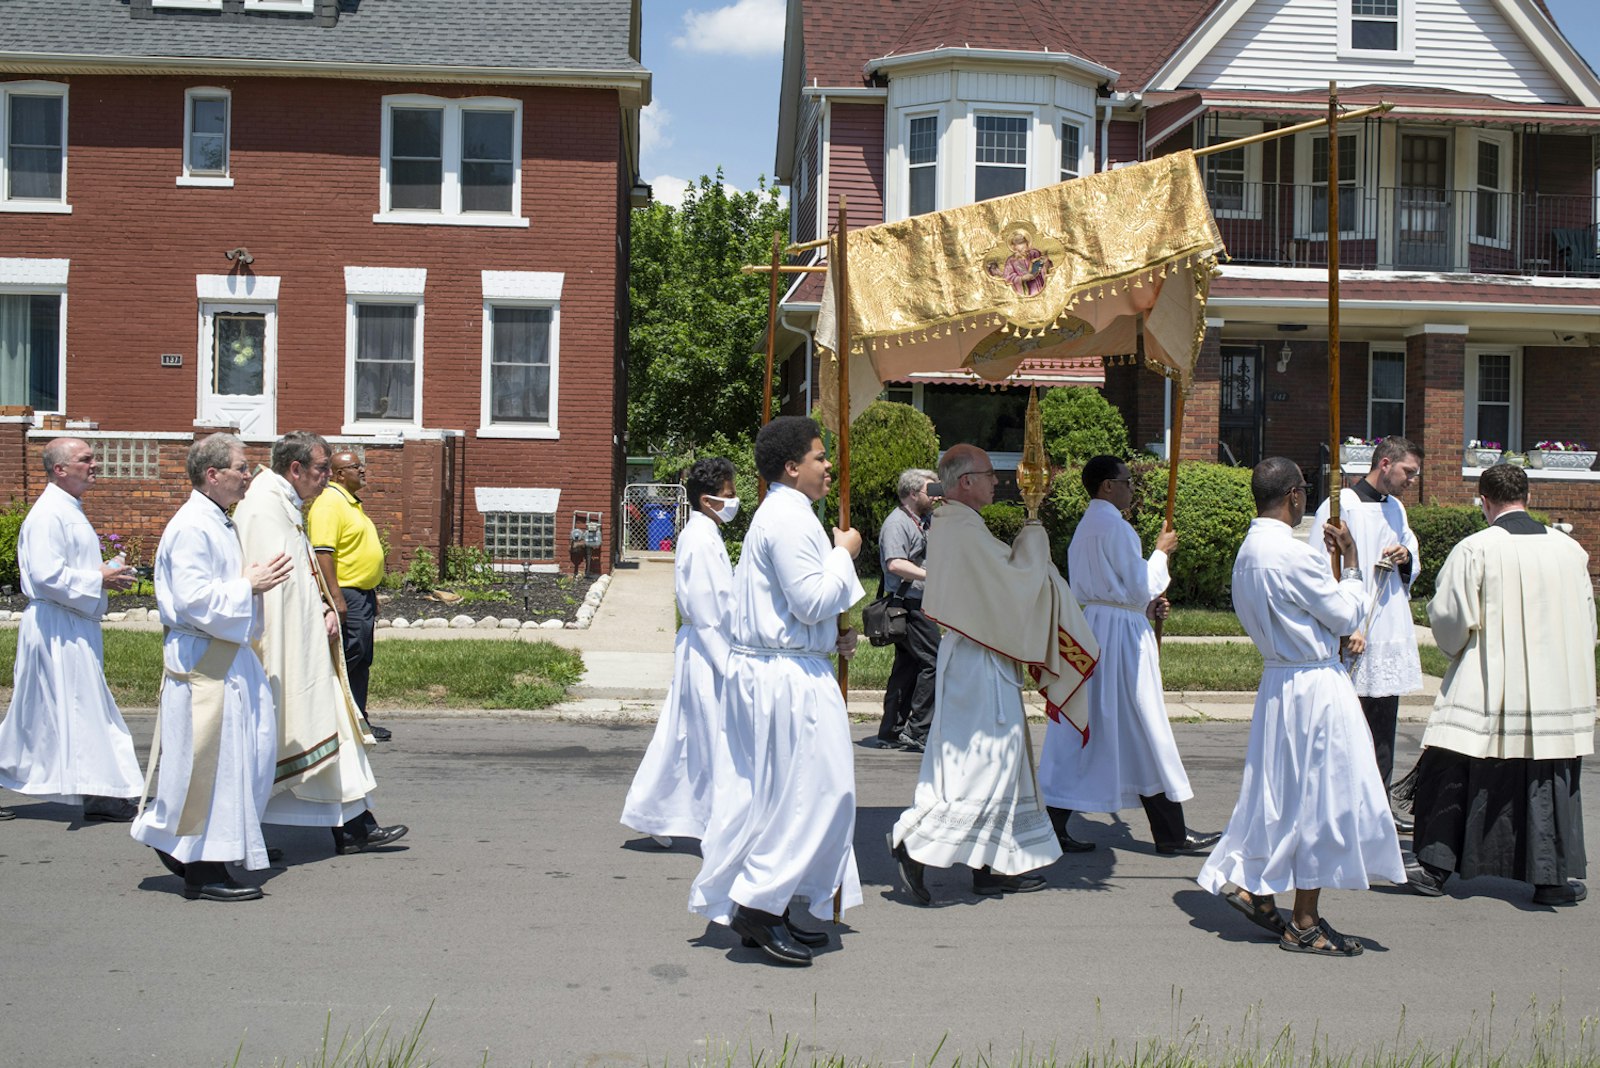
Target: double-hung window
33, 330
206, 115
922, 164
1001, 159
451, 161
1071, 150
1493, 409
1386, 392
1491, 209
521, 354
33, 147
383, 344
1344, 175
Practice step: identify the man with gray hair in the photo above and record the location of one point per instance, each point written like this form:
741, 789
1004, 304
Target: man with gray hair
63, 738
323, 777
902, 547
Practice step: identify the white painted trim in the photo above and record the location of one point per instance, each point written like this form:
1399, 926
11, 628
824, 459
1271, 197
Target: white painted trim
352, 423
94, 435
899, 168
205, 358
1423, 329
28, 204
450, 211
36, 207
1214, 322
290, 6
1008, 56
1405, 49
385, 281
195, 5
59, 291
207, 92
1317, 274
261, 287
422, 218
32, 273
487, 427
1420, 307
205, 181
1466, 174
863, 92
517, 500
523, 285
1404, 111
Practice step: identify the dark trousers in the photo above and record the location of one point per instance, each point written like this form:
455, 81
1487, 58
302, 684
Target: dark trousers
908, 696
1382, 714
1165, 815
360, 624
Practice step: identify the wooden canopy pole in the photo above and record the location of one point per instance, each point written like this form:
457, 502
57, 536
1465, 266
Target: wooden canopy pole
1285, 131
1333, 311
772, 341
1174, 448
841, 306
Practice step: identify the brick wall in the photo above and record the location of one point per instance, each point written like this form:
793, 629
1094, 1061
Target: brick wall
1435, 365
1202, 406
305, 161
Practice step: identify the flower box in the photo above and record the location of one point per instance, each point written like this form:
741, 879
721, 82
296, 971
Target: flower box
1481, 457
1354, 457
1560, 460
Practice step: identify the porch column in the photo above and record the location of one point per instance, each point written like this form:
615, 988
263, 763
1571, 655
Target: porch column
1435, 395
1203, 408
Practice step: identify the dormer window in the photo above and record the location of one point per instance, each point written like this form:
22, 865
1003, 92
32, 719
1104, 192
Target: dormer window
1377, 28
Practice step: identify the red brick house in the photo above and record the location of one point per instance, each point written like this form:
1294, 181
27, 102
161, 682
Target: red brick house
399, 223
1471, 269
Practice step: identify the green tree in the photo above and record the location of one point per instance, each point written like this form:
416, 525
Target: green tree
1078, 422
697, 335
886, 439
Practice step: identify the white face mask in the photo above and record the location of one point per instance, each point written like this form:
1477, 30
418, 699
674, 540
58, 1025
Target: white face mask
729, 509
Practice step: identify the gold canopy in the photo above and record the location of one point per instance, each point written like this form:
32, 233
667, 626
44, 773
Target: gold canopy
1078, 268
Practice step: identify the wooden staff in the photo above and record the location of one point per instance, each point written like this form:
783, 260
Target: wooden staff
1333, 314
841, 302
1174, 447
772, 341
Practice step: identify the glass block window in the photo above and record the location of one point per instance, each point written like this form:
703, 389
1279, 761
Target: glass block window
520, 536
128, 458
1002, 156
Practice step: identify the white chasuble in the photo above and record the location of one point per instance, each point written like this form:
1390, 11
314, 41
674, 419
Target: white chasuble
783, 805
203, 598
63, 737
1130, 752
671, 792
1312, 812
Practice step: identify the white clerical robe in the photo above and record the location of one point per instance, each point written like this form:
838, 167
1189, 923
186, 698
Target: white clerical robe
203, 597
323, 776
1130, 752
1516, 615
977, 802
671, 792
1390, 665
783, 806
63, 738
1312, 811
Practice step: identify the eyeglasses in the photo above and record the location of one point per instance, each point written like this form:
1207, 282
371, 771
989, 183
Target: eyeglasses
348, 467
1126, 481
989, 471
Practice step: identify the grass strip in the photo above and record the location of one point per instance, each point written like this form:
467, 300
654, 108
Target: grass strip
453, 673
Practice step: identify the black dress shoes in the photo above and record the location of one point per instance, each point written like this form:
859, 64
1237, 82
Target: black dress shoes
355, 837
379, 734
799, 934
1425, 881
1192, 843
911, 871
1070, 844
771, 935
910, 743
8, 814
991, 883
209, 880
1557, 895
172, 863
109, 809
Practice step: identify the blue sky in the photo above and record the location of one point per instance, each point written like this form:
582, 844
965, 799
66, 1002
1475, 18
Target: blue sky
716, 71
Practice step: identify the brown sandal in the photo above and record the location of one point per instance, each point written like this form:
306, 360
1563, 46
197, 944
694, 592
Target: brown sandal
1266, 917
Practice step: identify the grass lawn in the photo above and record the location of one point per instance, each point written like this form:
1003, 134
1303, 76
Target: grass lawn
458, 673
1203, 623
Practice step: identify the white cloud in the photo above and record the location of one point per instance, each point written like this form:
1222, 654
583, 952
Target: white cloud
653, 123
743, 28
668, 189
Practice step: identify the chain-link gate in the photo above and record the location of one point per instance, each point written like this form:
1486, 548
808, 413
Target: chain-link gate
652, 515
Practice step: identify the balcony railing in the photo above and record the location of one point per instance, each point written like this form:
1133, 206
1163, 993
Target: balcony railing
1280, 225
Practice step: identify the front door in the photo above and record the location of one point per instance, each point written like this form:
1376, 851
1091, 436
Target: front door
1243, 411
238, 367
1422, 208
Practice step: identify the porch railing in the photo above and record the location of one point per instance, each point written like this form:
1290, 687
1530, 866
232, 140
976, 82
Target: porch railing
1282, 225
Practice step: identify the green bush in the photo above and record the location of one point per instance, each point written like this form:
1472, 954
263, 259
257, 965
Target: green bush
469, 566
746, 483
1004, 519
423, 574
10, 526
1078, 422
885, 440
1438, 527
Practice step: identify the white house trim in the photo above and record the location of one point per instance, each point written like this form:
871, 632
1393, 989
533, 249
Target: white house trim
385, 281
32, 273
255, 287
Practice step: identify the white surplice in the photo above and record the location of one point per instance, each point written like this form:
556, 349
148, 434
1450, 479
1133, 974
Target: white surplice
783, 807
1390, 665
63, 738
671, 792
1312, 812
976, 801
202, 595
1130, 752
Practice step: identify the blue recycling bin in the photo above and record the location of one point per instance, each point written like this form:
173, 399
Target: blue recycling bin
658, 526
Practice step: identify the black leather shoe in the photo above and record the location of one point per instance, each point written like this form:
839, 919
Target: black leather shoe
911, 743
223, 891
8, 814
382, 836
987, 882
770, 935
799, 934
1570, 894
911, 871
109, 809
381, 734
1070, 844
1404, 824
345, 842
1425, 882
1192, 843
172, 863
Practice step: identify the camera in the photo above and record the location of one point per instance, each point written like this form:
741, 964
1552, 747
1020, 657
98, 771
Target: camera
936, 489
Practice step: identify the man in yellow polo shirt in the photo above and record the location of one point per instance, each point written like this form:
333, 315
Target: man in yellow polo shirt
351, 558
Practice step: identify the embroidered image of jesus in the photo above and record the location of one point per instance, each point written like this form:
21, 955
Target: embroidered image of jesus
1026, 268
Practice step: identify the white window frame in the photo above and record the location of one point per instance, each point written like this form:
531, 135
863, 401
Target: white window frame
382, 285
1394, 348
1229, 130
521, 289
1469, 405
1405, 38
1316, 229
1077, 170
188, 177
27, 277
216, 301
28, 204
1502, 140
1030, 158
450, 212
288, 6
191, 5
938, 157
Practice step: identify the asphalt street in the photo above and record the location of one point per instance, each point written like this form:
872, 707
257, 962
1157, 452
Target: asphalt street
534, 929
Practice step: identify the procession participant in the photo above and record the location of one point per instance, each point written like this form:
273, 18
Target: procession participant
783, 809
1128, 755
671, 792
63, 738
1004, 609
323, 778
902, 550
216, 735
1389, 665
1312, 812
1497, 784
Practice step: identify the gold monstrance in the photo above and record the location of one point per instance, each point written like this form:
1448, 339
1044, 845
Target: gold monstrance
1033, 473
